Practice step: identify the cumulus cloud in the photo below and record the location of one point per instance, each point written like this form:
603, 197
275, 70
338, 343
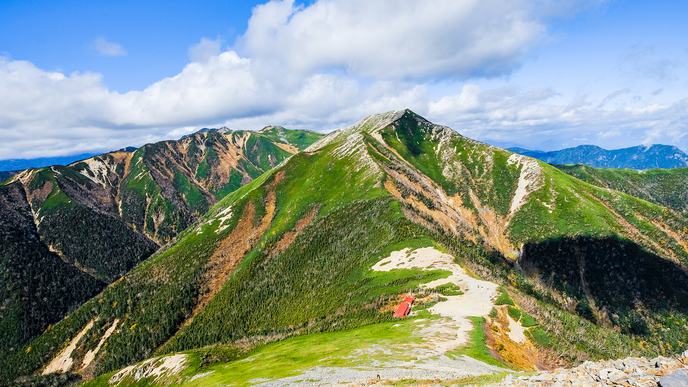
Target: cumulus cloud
396, 38
105, 48
506, 115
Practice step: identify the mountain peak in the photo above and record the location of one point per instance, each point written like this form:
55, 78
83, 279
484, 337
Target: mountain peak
401, 119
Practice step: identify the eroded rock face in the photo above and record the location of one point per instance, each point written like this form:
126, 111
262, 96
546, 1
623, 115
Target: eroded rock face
642, 372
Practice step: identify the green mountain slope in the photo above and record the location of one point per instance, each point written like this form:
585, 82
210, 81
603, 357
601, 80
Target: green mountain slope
666, 187
291, 252
103, 215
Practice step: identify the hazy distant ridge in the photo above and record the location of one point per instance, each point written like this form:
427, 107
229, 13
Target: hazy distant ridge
19, 164
638, 157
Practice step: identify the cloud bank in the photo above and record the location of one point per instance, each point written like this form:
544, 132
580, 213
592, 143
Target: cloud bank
325, 66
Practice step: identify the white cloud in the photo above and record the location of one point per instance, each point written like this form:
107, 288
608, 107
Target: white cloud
613, 95
396, 38
105, 48
507, 116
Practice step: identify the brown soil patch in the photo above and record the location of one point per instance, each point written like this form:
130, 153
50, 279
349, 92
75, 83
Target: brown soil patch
287, 147
41, 194
230, 252
414, 217
674, 235
440, 217
496, 233
289, 237
276, 179
378, 137
519, 355
466, 213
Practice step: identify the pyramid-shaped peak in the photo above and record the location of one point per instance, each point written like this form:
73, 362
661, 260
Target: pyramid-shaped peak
400, 119
369, 124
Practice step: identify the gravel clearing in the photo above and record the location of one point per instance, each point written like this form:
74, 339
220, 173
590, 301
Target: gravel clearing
477, 299
443, 368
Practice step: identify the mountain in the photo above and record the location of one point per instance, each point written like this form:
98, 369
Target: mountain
585, 272
69, 231
639, 157
19, 164
666, 187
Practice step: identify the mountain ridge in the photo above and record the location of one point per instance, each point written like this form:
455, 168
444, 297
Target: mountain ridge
307, 233
103, 215
638, 157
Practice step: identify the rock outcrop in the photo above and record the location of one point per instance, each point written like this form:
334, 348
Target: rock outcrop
641, 372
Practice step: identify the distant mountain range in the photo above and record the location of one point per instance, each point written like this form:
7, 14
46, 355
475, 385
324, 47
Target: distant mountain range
19, 164
637, 157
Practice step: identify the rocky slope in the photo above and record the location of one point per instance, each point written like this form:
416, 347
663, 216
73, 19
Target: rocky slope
90, 222
622, 372
638, 157
290, 255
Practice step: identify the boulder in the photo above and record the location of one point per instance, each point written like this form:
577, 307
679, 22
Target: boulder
611, 374
677, 378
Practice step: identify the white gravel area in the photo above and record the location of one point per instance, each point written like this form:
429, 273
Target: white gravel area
443, 368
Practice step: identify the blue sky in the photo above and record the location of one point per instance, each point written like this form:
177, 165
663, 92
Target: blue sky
92, 76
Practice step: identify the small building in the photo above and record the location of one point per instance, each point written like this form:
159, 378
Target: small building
404, 308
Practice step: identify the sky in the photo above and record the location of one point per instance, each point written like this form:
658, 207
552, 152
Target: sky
94, 76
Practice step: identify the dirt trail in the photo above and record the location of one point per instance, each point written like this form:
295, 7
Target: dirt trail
476, 300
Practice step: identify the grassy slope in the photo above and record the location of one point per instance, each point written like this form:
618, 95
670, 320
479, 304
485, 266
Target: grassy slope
159, 294
599, 253
575, 207
357, 224
387, 341
301, 139
665, 187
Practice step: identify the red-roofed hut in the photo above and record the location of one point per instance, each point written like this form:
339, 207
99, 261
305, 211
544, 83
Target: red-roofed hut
404, 308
